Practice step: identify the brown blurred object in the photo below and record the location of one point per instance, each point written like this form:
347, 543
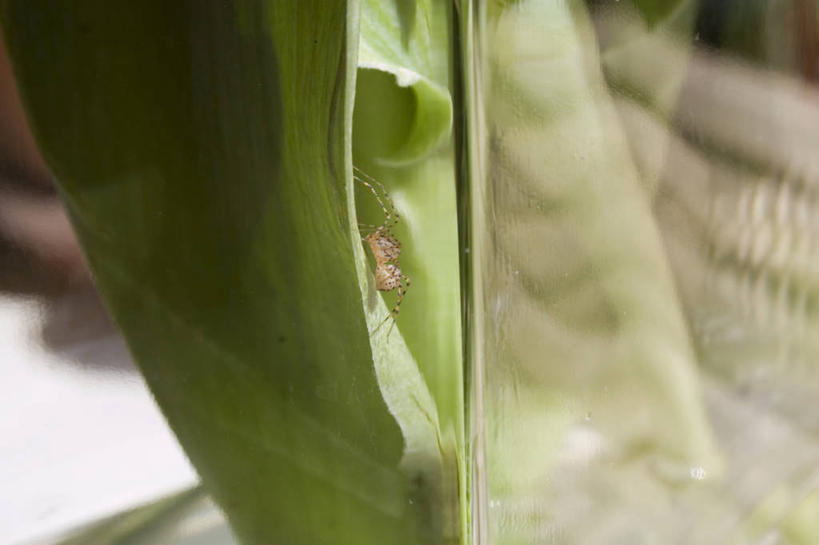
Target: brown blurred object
39, 253
805, 24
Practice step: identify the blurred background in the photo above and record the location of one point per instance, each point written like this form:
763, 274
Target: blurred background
80, 436
651, 225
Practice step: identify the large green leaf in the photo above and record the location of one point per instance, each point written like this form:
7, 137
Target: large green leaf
203, 151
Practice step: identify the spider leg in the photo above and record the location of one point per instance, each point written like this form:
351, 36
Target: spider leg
402, 292
386, 202
392, 325
384, 321
368, 227
390, 214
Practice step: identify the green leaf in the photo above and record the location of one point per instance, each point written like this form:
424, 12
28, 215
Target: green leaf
405, 104
203, 151
409, 41
161, 521
401, 136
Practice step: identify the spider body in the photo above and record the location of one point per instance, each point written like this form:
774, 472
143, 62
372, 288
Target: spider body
386, 249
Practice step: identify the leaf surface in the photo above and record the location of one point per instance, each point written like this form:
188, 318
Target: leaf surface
203, 151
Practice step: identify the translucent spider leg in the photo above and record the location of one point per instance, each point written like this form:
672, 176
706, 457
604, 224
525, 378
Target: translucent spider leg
384, 202
367, 228
402, 292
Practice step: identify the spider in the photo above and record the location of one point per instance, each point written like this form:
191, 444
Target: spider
385, 248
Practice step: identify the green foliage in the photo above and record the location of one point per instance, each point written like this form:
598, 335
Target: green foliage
203, 151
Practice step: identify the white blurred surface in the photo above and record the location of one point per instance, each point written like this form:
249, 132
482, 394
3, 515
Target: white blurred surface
76, 442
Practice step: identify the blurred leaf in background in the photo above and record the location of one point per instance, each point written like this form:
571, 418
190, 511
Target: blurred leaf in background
647, 302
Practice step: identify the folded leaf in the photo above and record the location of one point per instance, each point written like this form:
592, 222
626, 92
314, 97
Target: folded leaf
203, 152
